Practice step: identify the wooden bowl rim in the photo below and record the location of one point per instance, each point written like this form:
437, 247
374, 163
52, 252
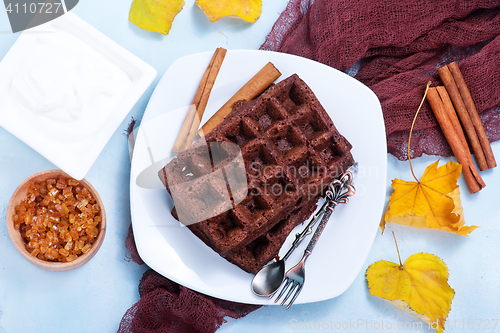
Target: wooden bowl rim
15, 236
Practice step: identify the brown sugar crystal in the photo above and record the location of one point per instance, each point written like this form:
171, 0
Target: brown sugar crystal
59, 220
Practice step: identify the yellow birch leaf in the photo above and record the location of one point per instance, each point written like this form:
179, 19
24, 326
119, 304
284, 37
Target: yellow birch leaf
432, 203
248, 10
419, 286
155, 15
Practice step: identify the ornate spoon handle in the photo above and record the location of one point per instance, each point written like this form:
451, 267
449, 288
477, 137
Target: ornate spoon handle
307, 230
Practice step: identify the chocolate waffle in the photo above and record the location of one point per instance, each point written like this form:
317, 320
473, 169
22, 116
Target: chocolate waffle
252, 257
291, 151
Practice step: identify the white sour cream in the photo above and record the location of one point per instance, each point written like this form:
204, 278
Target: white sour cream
65, 86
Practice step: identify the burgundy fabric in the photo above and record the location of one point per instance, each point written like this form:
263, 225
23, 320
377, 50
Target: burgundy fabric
395, 48
130, 245
167, 307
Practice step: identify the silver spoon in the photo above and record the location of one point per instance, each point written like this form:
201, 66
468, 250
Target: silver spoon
270, 277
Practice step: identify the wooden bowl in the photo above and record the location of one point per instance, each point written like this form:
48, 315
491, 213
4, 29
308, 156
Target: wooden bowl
21, 192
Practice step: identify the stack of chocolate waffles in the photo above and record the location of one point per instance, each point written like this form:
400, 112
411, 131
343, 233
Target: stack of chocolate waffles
290, 150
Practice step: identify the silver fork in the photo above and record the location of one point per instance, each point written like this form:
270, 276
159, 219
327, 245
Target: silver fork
338, 193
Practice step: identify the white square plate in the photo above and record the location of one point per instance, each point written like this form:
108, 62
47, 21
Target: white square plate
73, 146
339, 255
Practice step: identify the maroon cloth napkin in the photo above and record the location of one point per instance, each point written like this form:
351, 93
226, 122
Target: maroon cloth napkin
167, 307
396, 46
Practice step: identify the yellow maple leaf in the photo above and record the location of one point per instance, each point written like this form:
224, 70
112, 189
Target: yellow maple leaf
419, 286
155, 15
432, 203
248, 10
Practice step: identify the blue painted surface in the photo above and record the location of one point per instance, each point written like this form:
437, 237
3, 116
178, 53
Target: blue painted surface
94, 297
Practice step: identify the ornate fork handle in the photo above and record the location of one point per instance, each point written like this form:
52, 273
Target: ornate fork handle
299, 237
334, 195
339, 192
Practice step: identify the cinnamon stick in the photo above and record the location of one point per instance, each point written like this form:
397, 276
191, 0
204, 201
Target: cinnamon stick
471, 109
254, 87
451, 87
461, 152
452, 115
199, 103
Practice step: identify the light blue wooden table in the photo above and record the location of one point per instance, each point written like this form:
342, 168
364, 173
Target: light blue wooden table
94, 297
